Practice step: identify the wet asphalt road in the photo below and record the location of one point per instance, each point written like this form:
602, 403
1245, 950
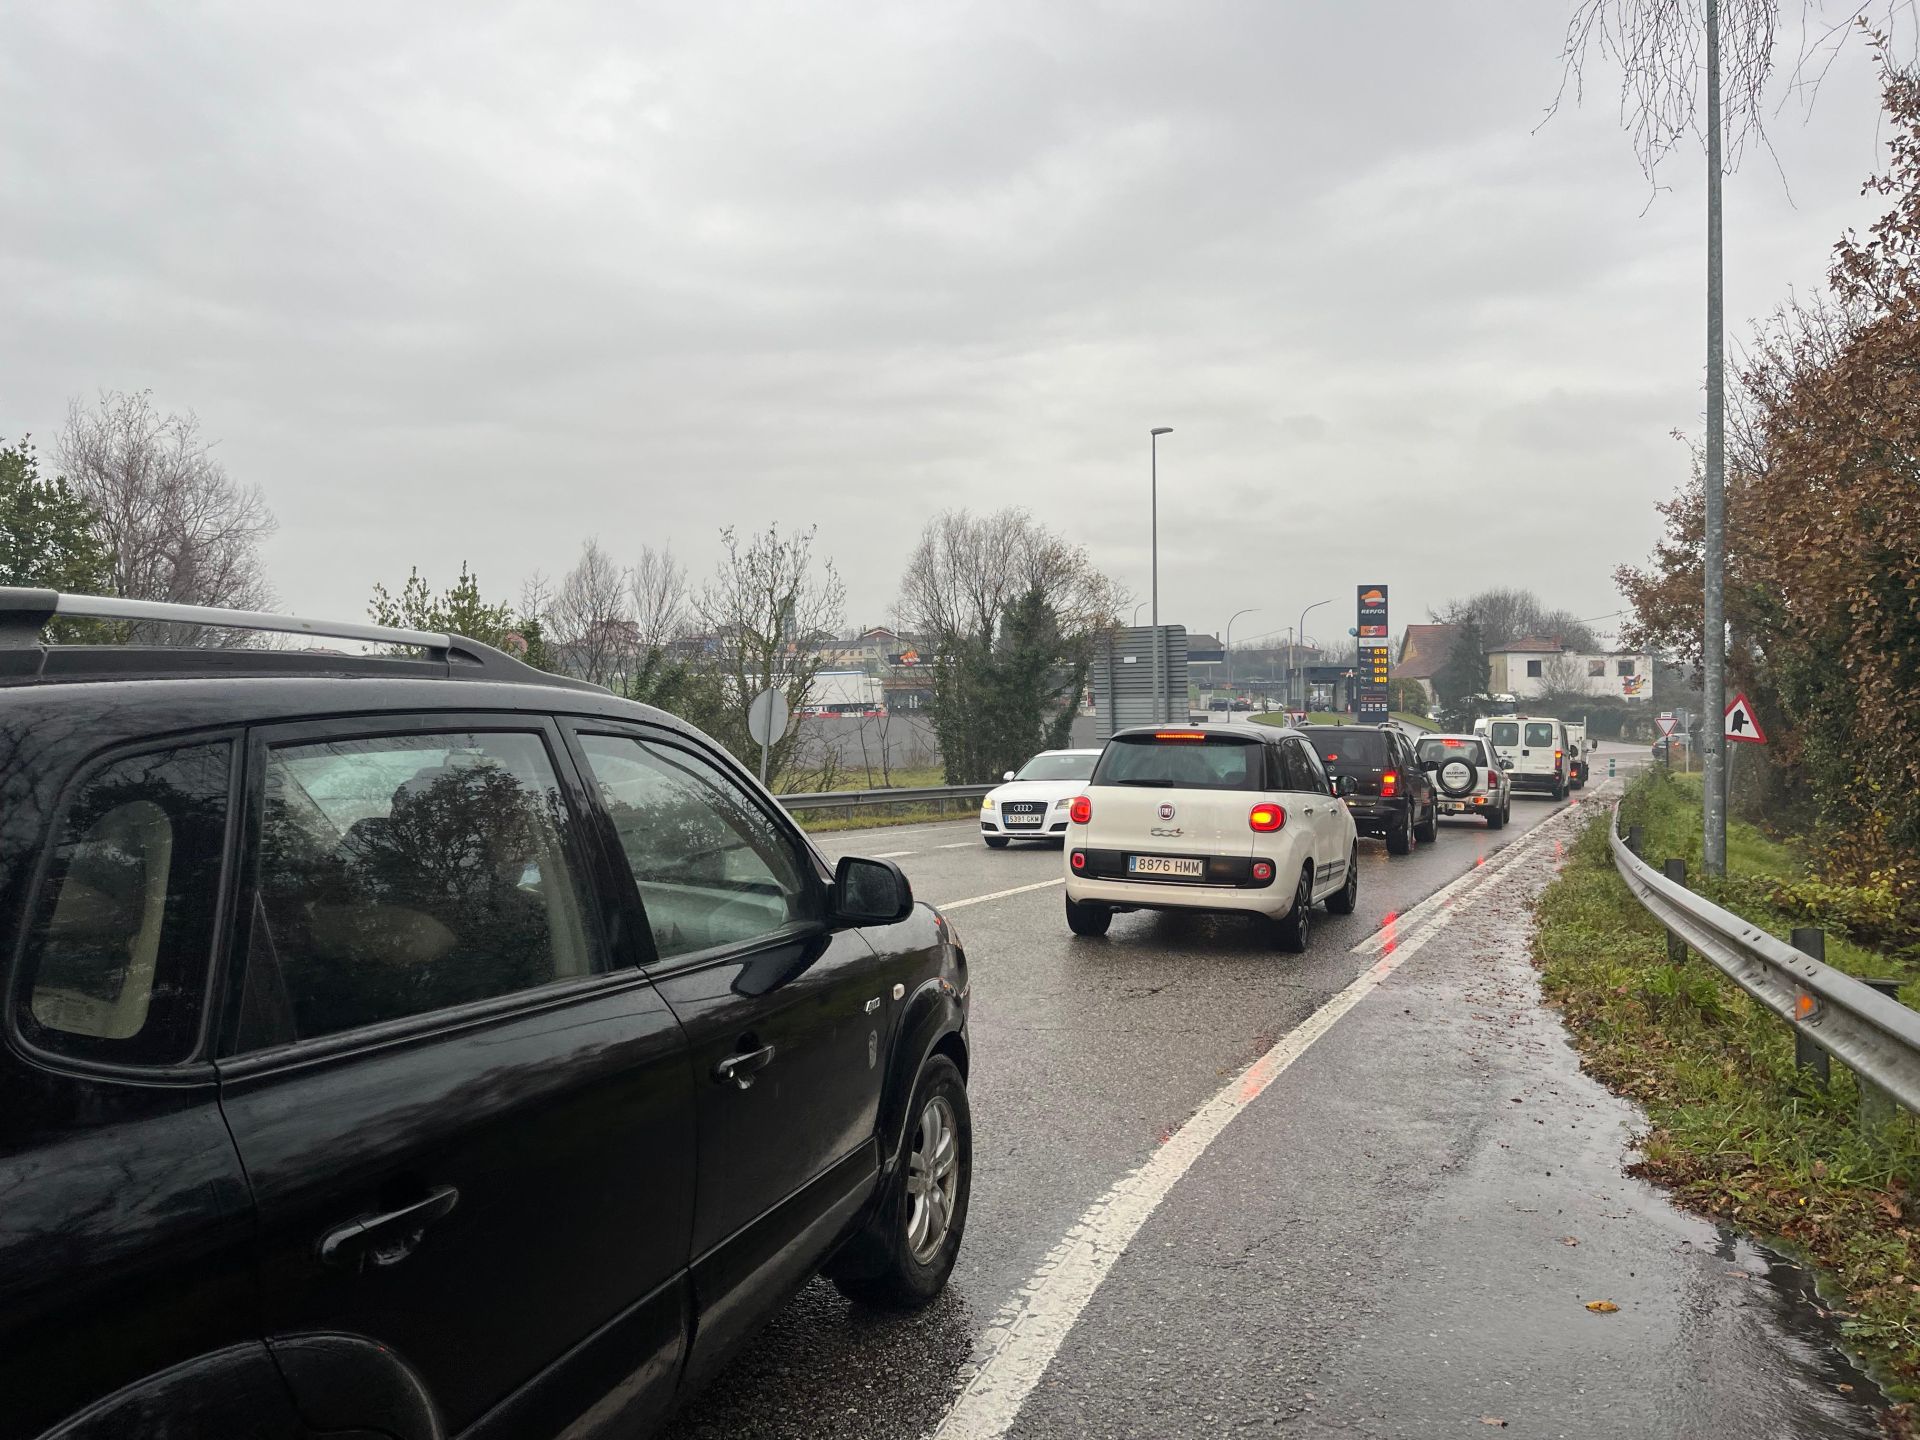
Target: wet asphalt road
1354, 1252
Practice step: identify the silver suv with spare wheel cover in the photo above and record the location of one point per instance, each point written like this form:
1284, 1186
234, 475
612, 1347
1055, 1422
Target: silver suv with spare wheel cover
1466, 778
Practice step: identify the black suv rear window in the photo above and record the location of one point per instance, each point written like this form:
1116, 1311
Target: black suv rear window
1183, 760
117, 954
1356, 752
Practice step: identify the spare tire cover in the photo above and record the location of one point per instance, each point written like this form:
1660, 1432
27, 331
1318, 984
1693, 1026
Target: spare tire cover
1457, 778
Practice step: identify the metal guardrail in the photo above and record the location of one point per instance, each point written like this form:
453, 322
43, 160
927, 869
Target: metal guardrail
1848, 1019
855, 799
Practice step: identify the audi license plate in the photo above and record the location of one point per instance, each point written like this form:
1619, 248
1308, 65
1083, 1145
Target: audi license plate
1190, 869
1016, 821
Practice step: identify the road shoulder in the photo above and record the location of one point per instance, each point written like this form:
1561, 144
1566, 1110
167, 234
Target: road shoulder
1403, 1234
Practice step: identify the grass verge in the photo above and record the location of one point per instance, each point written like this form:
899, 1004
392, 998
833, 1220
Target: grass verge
1733, 1129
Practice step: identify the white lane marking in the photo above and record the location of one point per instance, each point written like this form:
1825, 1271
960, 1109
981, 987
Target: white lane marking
958, 845
996, 895
894, 854
1030, 1328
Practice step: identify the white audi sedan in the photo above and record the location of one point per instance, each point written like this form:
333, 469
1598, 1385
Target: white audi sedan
1032, 805
1243, 820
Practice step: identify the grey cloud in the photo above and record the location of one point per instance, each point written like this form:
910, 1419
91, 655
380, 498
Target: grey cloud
462, 281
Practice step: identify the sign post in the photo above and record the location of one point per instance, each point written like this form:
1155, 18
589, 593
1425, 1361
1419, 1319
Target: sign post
766, 723
1370, 631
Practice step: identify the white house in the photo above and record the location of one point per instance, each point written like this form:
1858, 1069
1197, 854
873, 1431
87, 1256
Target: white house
1530, 668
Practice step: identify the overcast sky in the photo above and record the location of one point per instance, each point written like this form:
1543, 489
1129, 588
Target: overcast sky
463, 281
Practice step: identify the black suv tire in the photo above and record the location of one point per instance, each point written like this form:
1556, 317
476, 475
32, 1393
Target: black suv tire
1400, 837
1429, 831
878, 1267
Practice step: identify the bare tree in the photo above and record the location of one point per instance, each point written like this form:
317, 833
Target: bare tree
590, 619
180, 528
1506, 615
657, 584
1009, 611
967, 571
766, 597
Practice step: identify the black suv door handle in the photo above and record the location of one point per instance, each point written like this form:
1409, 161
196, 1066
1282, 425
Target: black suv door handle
740, 1069
386, 1239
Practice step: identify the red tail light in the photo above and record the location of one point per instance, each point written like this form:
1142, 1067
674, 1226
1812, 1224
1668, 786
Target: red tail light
1078, 860
1267, 818
1180, 735
1262, 870
1390, 784
1081, 811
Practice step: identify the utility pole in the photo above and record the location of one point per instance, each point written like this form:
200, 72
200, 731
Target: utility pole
1714, 647
1161, 712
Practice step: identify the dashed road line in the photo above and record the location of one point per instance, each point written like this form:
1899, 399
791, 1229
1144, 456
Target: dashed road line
1030, 1329
894, 854
997, 895
957, 845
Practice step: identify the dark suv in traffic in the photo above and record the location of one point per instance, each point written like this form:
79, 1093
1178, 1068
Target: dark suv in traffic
1392, 794
418, 1047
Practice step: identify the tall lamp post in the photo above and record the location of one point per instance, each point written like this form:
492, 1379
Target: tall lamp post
1301, 632
1162, 714
1250, 610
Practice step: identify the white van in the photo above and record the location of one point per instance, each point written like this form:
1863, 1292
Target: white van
1532, 749
1577, 751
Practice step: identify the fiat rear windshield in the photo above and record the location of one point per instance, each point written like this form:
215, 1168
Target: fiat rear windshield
1182, 760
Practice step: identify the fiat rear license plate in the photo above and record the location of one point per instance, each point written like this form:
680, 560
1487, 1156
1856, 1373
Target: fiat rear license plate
1181, 866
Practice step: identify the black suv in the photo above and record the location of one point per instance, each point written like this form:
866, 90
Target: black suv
1392, 795
418, 1047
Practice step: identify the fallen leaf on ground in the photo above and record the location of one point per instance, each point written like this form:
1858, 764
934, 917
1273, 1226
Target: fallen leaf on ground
1891, 1206
1568, 1240
1602, 1307
1738, 1275
1493, 1420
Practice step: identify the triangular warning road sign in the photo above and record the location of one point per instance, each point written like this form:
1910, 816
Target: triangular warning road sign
1665, 722
1740, 722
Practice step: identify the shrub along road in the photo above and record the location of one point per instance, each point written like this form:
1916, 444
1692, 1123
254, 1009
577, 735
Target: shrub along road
1363, 1228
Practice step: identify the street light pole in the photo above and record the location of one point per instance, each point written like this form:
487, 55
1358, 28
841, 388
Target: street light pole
1162, 714
1302, 633
1250, 610
1714, 809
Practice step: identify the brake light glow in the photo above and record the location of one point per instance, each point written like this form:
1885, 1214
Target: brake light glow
1078, 860
1453, 744
1267, 818
1390, 783
1180, 735
1081, 811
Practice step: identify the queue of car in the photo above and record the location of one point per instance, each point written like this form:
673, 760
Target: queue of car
1264, 821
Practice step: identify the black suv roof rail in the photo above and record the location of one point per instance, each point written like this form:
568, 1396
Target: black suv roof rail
25, 613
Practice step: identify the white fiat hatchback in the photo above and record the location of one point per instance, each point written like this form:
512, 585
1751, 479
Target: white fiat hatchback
1243, 820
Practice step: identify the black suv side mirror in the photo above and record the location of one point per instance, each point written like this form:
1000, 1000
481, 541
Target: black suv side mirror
870, 892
